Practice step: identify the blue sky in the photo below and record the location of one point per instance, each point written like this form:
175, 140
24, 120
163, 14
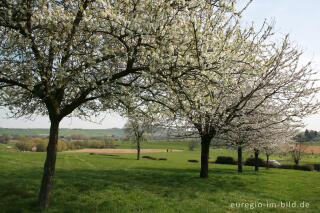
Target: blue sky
301, 19
298, 18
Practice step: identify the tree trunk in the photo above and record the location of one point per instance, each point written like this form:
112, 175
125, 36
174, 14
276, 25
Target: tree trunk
138, 150
256, 156
49, 165
240, 159
205, 144
267, 161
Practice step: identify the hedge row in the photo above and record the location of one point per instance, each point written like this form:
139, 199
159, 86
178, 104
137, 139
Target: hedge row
261, 163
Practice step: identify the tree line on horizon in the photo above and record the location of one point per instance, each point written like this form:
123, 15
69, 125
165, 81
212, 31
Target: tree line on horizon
307, 136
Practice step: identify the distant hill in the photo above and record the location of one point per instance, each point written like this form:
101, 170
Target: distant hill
63, 132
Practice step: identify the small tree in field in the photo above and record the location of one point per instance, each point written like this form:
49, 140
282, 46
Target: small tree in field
296, 151
136, 128
273, 139
269, 150
278, 143
239, 139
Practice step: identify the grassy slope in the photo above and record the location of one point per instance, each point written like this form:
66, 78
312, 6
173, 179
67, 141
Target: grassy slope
93, 183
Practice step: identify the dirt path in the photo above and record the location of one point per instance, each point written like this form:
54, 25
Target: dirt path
119, 151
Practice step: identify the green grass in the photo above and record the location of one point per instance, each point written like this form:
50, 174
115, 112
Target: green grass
153, 145
2, 147
96, 183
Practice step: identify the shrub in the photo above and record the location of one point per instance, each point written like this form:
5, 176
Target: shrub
272, 166
41, 146
24, 145
109, 142
79, 137
316, 167
23, 138
76, 144
304, 167
286, 166
225, 160
62, 146
193, 161
162, 159
96, 144
71, 146
298, 167
252, 162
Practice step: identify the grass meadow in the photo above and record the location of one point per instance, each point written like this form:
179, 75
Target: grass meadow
97, 183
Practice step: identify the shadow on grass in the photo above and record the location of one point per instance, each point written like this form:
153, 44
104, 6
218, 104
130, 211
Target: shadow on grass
20, 194
113, 157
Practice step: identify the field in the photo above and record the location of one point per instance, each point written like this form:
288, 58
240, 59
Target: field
311, 149
63, 132
122, 150
97, 183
